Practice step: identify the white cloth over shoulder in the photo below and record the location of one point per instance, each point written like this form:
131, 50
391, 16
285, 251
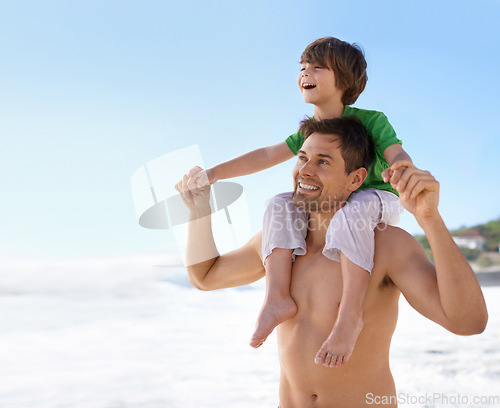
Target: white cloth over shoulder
285, 226
352, 227
350, 231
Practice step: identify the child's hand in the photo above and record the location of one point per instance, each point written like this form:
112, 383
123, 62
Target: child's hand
198, 177
394, 172
386, 174
195, 194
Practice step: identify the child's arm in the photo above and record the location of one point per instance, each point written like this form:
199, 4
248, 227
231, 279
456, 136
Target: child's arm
251, 162
393, 154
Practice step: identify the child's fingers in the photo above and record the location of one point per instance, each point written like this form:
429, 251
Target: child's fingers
201, 179
386, 175
194, 170
402, 163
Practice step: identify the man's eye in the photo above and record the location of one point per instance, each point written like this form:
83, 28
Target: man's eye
302, 158
323, 162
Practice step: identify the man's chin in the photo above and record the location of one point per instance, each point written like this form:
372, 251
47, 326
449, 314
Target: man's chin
311, 204
304, 202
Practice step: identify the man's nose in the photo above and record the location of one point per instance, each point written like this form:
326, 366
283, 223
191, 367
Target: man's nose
306, 169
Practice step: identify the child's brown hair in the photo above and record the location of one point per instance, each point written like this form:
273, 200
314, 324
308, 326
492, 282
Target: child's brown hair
347, 62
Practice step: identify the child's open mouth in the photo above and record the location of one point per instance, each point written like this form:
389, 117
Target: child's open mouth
308, 86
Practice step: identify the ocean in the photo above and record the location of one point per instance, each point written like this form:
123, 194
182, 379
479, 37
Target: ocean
128, 332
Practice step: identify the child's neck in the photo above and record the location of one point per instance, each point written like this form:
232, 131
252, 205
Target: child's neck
330, 111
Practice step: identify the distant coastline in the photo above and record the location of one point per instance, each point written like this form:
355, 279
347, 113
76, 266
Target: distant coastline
488, 278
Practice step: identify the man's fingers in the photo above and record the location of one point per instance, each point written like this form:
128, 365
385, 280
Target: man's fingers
407, 173
183, 191
418, 182
422, 185
396, 176
405, 179
191, 183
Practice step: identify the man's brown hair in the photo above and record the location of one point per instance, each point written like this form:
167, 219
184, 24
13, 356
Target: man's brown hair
356, 146
347, 62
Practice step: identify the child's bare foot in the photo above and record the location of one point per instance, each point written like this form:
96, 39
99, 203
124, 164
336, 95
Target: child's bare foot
338, 347
273, 313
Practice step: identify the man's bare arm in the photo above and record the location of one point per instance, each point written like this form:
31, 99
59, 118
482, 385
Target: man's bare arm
206, 269
447, 293
236, 268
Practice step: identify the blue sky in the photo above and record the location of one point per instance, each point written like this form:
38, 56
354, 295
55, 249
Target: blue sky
91, 91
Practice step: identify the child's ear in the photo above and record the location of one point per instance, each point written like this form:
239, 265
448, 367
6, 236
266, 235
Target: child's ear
357, 177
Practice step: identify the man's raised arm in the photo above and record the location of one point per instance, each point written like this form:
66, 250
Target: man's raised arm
448, 292
207, 270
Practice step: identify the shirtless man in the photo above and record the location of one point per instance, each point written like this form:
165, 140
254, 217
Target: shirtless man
447, 293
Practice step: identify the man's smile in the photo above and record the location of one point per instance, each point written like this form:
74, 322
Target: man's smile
308, 187
304, 187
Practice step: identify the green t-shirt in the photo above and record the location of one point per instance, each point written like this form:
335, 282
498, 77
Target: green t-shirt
383, 135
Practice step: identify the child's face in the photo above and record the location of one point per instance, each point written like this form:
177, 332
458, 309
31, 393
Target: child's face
317, 84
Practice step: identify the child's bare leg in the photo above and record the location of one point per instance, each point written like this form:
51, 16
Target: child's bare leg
338, 347
278, 305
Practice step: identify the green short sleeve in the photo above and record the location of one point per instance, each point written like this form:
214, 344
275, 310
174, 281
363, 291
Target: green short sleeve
295, 142
383, 136
377, 126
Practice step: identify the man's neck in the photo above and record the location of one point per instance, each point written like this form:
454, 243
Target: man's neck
331, 110
318, 226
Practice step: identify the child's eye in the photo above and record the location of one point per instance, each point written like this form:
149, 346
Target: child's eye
318, 67
302, 69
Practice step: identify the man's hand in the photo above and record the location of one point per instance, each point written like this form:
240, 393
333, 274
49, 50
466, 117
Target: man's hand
418, 189
194, 192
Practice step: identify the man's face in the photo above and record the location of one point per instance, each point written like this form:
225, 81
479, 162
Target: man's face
317, 84
320, 179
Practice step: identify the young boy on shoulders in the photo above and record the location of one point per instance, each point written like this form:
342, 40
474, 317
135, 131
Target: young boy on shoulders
332, 76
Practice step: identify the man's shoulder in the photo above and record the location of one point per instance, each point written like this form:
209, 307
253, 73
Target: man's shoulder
396, 250
394, 242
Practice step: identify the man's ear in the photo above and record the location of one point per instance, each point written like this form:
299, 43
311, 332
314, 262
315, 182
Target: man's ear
356, 178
